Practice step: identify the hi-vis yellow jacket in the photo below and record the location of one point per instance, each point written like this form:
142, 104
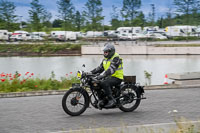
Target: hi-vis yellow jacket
119, 71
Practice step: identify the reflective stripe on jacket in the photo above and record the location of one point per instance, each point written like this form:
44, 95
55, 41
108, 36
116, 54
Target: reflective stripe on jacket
119, 72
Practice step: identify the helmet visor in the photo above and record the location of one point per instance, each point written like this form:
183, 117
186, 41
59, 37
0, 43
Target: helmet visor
105, 49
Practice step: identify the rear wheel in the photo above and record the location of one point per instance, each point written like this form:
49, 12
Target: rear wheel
131, 99
75, 102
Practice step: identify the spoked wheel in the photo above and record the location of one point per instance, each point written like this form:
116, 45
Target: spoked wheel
131, 99
93, 102
75, 102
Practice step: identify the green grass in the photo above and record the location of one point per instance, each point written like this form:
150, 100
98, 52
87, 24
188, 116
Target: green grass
56, 29
38, 48
18, 83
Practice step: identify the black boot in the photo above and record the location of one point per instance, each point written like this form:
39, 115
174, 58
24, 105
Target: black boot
111, 102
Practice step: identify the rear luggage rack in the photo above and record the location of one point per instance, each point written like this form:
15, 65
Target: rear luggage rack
130, 79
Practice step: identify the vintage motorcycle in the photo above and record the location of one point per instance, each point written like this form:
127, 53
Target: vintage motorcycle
77, 99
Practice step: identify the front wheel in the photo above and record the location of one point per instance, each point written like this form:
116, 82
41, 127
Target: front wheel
75, 102
130, 99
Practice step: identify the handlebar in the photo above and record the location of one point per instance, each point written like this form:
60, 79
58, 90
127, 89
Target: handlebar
92, 76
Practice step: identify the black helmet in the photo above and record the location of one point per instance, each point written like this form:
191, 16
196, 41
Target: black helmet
110, 49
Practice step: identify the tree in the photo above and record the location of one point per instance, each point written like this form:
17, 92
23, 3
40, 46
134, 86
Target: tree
139, 20
38, 15
169, 16
57, 23
78, 21
46, 24
160, 22
153, 13
115, 12
7, 15
151, 16
186, 7
115, 22
130, 9
66, 13
92, 14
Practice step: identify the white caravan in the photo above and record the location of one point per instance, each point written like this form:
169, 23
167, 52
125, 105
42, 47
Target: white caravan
4, 35
94, 34
151, 28
197, 33
185, 30
128, 30
54, 34
20, 36
125, 33
64, 35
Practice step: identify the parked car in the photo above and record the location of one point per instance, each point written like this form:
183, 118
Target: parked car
123, 37
42, 34
36, 38
136, 36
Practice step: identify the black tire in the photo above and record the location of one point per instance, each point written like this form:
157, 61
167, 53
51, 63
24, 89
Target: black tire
74, 102
135, 102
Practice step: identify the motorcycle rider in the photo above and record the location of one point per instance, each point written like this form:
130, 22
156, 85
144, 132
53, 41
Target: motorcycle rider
112, 69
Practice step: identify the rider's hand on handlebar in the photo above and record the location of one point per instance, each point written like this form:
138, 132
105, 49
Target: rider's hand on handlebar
88, 73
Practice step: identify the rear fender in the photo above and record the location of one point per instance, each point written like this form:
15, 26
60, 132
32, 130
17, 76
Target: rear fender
138, 88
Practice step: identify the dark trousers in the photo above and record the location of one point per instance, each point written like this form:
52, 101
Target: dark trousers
108, 83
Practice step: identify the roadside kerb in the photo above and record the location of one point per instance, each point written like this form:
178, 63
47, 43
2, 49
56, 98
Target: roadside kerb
32, 93
155, 128
62, 92
170, 86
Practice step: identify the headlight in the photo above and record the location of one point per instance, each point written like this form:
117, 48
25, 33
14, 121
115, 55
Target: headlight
79, 74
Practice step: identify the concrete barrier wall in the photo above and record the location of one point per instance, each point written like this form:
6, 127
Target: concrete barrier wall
173, 50
142, 50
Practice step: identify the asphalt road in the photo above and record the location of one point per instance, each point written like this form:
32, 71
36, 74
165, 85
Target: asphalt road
42, 114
